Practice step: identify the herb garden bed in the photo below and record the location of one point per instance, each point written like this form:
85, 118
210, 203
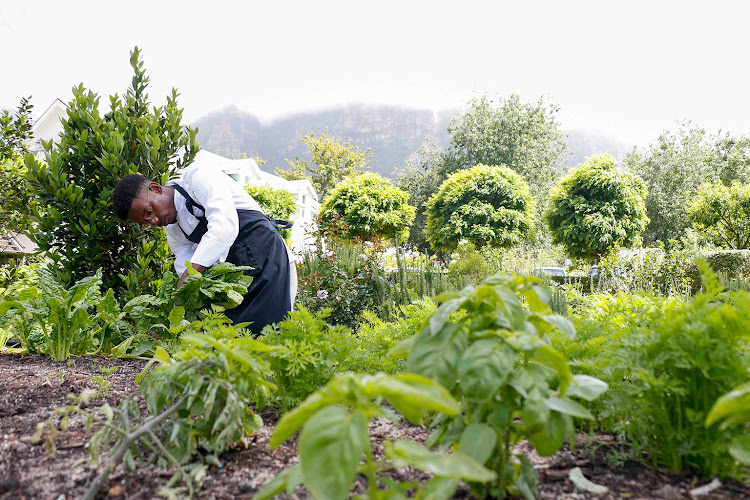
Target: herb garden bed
32, 386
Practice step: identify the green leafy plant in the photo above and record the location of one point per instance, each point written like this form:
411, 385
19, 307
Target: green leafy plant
276, 203
306, 353
64, 316
673, 371
199, 403
511, 384
371, 206
723, 213
74, 222
486, 205
596, 208
733, 409
334, 438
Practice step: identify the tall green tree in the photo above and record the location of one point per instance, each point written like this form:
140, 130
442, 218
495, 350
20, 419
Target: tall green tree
524, 136
596, 208
369, 206
79, 230
330, 163
15, 200
674, 168
486, 205
723, 214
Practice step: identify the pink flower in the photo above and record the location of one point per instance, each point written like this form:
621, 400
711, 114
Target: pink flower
368, 244
322, 294
363, 256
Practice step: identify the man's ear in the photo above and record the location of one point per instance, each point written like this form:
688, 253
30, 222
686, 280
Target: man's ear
155, 187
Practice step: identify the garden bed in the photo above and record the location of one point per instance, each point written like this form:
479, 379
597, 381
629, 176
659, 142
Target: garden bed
32, 386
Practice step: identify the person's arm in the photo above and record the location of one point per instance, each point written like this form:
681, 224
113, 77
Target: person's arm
183, 250
212, 189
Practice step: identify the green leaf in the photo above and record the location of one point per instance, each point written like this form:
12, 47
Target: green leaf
411, 394
286, 481
330, 448
551, 437
176, 316
440, 488
586, 387
547, 356
478, 441
436, 356
740, 449
439, 318
484, 367
162, 356
294, 419
562, 323
456, 465
733, 403
569, 407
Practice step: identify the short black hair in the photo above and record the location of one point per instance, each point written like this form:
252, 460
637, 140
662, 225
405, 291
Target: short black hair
126, 191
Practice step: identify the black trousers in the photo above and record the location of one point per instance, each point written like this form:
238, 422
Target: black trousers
259, 245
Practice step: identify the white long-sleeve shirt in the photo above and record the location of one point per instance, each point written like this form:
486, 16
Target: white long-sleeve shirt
221, 196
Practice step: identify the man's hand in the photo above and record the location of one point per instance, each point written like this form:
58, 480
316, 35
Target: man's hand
185, 274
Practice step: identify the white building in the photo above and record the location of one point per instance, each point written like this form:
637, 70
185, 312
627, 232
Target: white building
244, 171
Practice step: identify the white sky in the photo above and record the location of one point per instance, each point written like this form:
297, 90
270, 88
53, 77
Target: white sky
627, 70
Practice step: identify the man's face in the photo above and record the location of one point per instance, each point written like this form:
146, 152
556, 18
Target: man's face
153, 207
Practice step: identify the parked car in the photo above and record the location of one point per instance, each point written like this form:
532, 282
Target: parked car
548, 271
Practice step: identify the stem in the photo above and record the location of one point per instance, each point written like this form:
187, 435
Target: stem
131, 438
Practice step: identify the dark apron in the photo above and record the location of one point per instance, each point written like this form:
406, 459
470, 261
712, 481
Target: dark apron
260, 246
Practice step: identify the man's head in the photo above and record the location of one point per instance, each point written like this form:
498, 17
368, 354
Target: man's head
137, 198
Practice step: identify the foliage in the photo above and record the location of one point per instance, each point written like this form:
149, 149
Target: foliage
486, 205
596, 208
510, 383
15, 129
676, 165
306, 353
330, 163
673, 372
345, 278
334, 438
275, 203
75, 223
723, 213
524, 136
63, 316
420, 178
469, 265
198, 402
371, 206
733, 409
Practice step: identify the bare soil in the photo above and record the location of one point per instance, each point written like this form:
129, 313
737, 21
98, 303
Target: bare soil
32, 386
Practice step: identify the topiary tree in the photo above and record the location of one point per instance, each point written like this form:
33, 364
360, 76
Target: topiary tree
723, 214
369, 206
596, 208
76, 225
486, 205
275, 203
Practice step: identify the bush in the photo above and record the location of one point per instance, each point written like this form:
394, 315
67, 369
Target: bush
596, 208
486, 205
75, 223
370, 206
275, 203
723, 214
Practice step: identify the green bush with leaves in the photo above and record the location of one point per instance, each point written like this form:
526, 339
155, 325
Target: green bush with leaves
63, 318
305, 353
511, 384
334, 438
673, 371
597, 208
276, 203
75, 223
371, 206
486, 205
723, 214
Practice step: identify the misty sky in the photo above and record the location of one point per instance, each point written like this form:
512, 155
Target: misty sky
628, 71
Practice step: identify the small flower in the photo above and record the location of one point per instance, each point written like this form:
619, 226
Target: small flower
368, 244
322, 294
414, 254
328, 253
363, 256
462, 242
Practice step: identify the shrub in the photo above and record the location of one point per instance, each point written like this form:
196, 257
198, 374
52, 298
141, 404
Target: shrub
673, 371
75, 223
275, 203
596, 208
486, 205
371, 207
723, 214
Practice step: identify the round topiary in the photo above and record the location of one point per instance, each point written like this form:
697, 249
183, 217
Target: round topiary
370, 206
486, 205
596, 208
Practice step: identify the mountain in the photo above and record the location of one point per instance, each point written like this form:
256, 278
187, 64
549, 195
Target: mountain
393, 133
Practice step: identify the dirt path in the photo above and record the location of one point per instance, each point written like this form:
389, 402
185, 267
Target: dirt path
32, 386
